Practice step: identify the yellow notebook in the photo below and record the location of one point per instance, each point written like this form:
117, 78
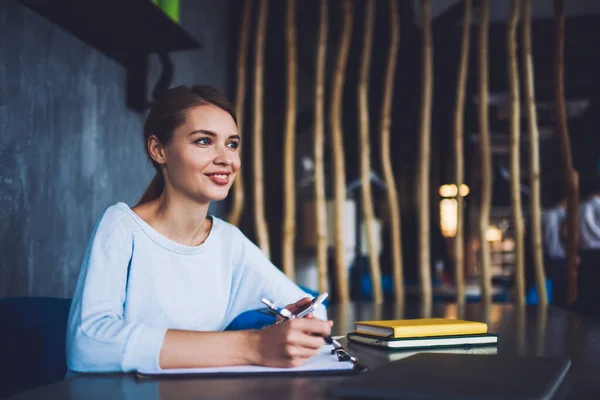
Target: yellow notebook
424, 327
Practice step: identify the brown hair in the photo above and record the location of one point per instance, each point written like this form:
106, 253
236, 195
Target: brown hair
168, 114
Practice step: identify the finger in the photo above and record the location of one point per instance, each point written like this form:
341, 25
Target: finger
310, 341
303, 301
300, 304
298, 351
312, 326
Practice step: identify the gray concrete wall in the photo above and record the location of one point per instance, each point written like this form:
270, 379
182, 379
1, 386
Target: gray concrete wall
69, 146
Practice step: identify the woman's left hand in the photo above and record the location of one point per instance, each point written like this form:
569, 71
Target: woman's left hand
296, 307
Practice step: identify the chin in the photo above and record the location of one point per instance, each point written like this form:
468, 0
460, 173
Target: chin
216, 195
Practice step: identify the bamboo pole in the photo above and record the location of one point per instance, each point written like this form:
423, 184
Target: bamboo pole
235, 213
365, 152
386, 162
534, 154
459, 172
425, 151
289, 188
571, 176
339, 169
540, 328
515, 140
257, 144
522, 326
486, 152
319, 142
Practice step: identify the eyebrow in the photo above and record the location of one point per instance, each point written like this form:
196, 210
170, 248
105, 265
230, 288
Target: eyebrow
211, 133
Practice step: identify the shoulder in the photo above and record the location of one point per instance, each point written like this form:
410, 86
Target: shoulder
117, 211
232, 237
595, 201
556, 211
225, 229
116, 221
116, 214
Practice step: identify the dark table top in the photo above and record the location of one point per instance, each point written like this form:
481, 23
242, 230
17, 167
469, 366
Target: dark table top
530, 330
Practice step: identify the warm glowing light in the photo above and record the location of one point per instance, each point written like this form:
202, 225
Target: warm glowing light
448, 217
450, 190
493, 234
508, 245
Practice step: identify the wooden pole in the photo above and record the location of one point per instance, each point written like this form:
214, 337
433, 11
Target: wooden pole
571, 176
365, 150
486, 152
257, 144
425, 151
319, 142
515, 141
289, 187
534, 161
240, 100
459, 172
386, 162
339, 168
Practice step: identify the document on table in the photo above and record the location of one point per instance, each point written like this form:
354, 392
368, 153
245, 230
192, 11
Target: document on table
322, 363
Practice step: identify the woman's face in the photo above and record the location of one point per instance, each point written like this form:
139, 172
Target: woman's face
202, 158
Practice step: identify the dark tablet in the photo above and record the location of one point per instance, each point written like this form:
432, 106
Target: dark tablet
459, 376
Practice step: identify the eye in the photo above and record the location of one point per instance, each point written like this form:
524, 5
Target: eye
233, 145
203, 141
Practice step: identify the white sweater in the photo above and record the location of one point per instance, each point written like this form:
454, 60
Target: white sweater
135, 284
551, 222
589, 221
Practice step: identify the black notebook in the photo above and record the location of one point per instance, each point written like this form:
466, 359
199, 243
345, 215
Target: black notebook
459, 376
431, 342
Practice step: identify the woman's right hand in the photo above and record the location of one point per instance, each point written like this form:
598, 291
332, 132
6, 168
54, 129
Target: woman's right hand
291, 343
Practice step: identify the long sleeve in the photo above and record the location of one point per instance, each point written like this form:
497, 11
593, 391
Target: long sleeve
98, 337
551, 225
590, 224
256, 277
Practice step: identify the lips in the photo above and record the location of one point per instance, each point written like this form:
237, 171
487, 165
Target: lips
219, 178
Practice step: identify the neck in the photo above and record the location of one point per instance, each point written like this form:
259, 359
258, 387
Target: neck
182, 219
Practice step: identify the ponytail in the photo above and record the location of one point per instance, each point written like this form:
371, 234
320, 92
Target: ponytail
154, 189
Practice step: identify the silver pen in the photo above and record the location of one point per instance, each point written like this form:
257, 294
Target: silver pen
287, 314
284, 312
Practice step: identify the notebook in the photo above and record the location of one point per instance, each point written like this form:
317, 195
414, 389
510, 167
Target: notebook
420, 327
400, 354
324, 363
424, 342
459, 376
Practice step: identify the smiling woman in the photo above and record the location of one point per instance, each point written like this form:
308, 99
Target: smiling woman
160, 281
193, 124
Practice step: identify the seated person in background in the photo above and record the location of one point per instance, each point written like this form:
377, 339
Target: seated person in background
552, 221
554, 245
161, 280
589, 220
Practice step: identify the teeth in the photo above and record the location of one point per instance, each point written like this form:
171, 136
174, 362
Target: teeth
220, 176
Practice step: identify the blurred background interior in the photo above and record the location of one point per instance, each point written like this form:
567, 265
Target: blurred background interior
78, 78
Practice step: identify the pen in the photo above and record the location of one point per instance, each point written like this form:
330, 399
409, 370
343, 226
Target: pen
285, 313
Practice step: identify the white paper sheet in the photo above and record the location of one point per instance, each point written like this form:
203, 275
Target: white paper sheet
323, 361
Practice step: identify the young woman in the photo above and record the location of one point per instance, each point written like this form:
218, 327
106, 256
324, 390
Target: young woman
160, 281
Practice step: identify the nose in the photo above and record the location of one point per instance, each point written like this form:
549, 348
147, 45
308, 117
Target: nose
223, 156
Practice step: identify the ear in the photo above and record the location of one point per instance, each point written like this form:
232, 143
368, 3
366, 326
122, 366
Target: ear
156, 151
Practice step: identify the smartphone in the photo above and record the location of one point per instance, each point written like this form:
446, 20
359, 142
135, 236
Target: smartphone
314, 304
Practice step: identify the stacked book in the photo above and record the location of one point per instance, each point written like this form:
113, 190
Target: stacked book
425, 333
